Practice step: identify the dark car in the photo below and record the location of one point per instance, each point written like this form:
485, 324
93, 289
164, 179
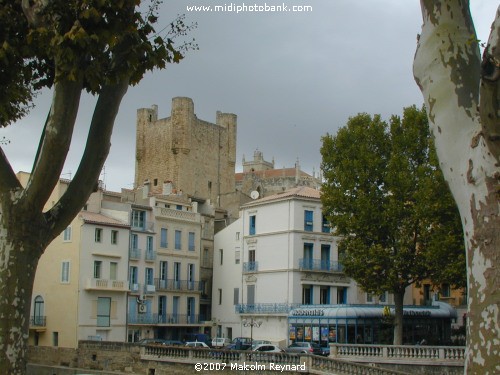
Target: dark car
152, 342
173, 343
242, 343
304, 347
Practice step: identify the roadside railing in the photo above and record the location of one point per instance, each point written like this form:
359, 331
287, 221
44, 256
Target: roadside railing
449, 355
261, 360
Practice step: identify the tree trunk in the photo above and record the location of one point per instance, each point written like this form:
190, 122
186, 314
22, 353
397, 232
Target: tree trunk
398, 318
17, 274
447, 69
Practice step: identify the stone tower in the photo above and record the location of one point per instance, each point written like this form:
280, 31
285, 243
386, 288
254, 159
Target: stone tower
196, 156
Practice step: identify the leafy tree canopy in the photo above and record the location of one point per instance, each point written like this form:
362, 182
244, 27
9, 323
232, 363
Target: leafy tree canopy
95, 42
384, 193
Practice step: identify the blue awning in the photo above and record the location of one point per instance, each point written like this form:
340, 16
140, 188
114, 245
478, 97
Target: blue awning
437, 310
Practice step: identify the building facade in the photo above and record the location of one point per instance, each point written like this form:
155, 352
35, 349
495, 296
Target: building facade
80, 289
198, 157
168, 290
278, 255
260, 177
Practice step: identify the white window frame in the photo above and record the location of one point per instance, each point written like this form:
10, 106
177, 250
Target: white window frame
67, 234
65, 271
98, 235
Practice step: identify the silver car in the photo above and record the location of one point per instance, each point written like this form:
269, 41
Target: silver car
304, 347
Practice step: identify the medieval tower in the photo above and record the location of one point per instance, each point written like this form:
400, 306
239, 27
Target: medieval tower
197, 157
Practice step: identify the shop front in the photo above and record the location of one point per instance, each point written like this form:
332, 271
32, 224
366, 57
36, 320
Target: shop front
370, 324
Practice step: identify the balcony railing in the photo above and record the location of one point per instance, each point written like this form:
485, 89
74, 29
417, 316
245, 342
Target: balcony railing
134, 287
134, 254
308, 264
149, 289
166, 319
178, 285
265, 308
250, 267
176, 214
38, 321
106, 284
147, 226
150, 255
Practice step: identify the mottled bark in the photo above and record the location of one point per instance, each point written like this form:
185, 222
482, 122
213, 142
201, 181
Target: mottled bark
25, 230
21, 244
462, 99
398, 318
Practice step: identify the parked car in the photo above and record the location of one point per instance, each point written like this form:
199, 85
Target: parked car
242, 343
267, 348
325, 351
219, 342
304, 347
173, 343
151, 342
203, 337
196, 344
259, 342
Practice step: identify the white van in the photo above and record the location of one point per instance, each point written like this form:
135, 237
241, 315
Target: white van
220, 342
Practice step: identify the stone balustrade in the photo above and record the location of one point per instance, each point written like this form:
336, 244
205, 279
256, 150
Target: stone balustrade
302, 363
116, 357
437, 355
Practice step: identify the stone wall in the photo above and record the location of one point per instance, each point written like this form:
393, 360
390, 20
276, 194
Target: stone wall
110, 358
197, 156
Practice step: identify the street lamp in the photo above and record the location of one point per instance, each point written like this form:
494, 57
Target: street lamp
251, 323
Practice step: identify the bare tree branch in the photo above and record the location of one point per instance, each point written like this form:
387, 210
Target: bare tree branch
94, 156
8, 180
55, 145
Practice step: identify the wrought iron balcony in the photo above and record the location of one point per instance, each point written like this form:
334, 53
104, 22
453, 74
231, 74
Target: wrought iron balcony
134, 254
165, 319
178, 285
308, 264
150, 255
38, 321
134, 287
250, 267
265, 308
147, 226
149, 289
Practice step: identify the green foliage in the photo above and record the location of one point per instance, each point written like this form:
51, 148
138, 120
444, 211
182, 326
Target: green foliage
97, 42
384, 193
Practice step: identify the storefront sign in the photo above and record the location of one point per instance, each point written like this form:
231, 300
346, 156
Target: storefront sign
416, 313
311, 312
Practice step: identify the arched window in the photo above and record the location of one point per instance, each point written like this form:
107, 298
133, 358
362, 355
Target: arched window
38, 316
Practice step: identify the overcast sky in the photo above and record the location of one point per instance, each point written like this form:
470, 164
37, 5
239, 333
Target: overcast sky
290, 77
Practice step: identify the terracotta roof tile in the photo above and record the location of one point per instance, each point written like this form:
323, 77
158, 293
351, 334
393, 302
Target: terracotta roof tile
96, 218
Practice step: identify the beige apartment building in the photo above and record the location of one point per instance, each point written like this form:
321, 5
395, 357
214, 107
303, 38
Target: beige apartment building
166, 284
80, 288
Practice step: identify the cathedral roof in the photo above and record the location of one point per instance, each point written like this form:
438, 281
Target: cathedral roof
297, 192
271, 173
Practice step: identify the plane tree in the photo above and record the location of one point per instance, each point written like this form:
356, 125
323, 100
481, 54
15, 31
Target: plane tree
96, 46
461, 92
385, 195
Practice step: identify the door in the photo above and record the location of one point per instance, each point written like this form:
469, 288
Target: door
325, 258
163, 274
162, 309
177, 275
251, 295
